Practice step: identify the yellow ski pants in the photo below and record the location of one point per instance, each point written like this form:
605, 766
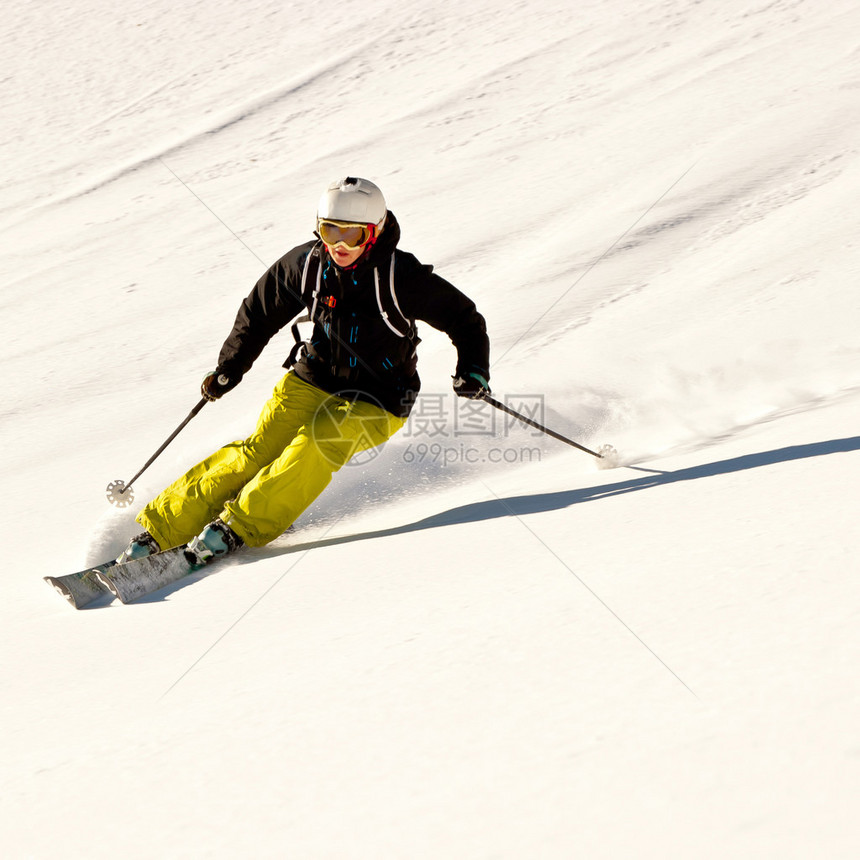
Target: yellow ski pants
261, 485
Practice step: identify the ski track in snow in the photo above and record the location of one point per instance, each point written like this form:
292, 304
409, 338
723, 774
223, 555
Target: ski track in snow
268, 101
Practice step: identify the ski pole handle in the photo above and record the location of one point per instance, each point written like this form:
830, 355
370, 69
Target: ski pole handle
215, 385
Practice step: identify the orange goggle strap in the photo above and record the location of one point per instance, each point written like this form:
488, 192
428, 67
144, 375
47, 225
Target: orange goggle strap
352, 235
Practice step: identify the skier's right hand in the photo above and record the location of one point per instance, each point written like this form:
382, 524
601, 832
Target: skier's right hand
473, 386
216, 384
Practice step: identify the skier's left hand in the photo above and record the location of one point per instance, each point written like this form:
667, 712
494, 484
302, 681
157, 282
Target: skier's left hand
473, 386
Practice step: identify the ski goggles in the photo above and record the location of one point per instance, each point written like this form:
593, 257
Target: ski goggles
352, 236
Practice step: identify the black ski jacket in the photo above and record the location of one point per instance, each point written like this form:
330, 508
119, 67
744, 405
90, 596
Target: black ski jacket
352, 348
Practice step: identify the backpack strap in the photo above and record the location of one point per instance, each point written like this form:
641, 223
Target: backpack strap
389, 307
310, 291
386, 300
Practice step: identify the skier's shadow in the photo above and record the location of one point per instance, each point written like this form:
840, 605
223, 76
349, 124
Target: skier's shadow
513, 506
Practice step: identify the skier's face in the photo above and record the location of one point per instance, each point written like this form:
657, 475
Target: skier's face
343, 256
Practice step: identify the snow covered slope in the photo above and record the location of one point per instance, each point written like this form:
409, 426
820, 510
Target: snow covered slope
478, 644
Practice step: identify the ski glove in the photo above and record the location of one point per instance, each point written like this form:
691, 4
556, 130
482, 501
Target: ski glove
474, 386
217, 384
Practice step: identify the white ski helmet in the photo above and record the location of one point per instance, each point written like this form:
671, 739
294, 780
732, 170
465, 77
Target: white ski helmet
358, 201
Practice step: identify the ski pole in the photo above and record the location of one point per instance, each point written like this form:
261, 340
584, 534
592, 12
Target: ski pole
498, 405
119, 493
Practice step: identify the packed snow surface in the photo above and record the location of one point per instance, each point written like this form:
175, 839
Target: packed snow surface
477, 644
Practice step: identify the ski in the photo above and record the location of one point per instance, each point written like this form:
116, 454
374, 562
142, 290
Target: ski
81, 588
135, 579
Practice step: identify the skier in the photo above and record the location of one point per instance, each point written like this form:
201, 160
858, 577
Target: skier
348, 389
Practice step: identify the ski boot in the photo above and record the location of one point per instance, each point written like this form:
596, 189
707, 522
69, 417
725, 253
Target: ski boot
216, 540
139, 547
